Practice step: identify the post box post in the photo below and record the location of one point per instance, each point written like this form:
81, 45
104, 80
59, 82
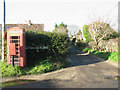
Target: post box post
13, 60
12, 51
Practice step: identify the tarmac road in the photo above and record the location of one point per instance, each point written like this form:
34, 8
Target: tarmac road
86, 71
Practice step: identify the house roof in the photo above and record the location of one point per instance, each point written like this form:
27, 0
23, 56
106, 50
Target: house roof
32, 27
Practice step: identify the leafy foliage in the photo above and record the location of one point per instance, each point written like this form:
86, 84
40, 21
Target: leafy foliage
101, 31
45, 51
106, 55
56, 44
42, 66
61, 28
81, 44
114, 56
113, 35
8, 70
86, 33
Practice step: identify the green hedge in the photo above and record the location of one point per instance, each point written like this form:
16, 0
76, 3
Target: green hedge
56, 44
86, 33
40, 60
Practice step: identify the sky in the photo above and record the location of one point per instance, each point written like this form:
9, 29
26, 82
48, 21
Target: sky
71, 12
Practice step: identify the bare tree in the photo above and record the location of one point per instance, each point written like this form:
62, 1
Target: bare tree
73, 29
99, 30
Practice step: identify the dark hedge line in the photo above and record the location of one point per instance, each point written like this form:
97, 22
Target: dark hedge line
40, 45
45, 44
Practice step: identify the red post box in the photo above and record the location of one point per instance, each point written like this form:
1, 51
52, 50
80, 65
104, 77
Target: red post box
12, 49
16, 46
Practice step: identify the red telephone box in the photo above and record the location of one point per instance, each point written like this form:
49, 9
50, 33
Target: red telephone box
16, 46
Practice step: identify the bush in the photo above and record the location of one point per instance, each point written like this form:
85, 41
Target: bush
81, 45
8, 70
56, 44
86, 33
42, 66
40, 46
113, 35
100, 30
114, 56
105, 55
61, 28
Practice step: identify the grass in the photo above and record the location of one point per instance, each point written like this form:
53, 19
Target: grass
105, 55
37, 63
114, 56
41, 66
8, 84
16, 82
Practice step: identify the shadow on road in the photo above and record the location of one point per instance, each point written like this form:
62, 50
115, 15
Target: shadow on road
92, 75
76, 57
49, 83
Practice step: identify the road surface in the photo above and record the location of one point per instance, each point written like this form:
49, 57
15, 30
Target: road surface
86, 71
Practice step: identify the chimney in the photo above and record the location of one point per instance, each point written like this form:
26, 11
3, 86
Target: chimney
29, 23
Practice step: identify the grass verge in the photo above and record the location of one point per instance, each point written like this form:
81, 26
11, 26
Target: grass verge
105, 55
16, 82
41, 66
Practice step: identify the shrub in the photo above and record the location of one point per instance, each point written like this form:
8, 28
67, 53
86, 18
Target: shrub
39, 59
105, 55
114, 56
111, 36
9, 70
61, 28
42, 66
86, 33
57, 45
100, 30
